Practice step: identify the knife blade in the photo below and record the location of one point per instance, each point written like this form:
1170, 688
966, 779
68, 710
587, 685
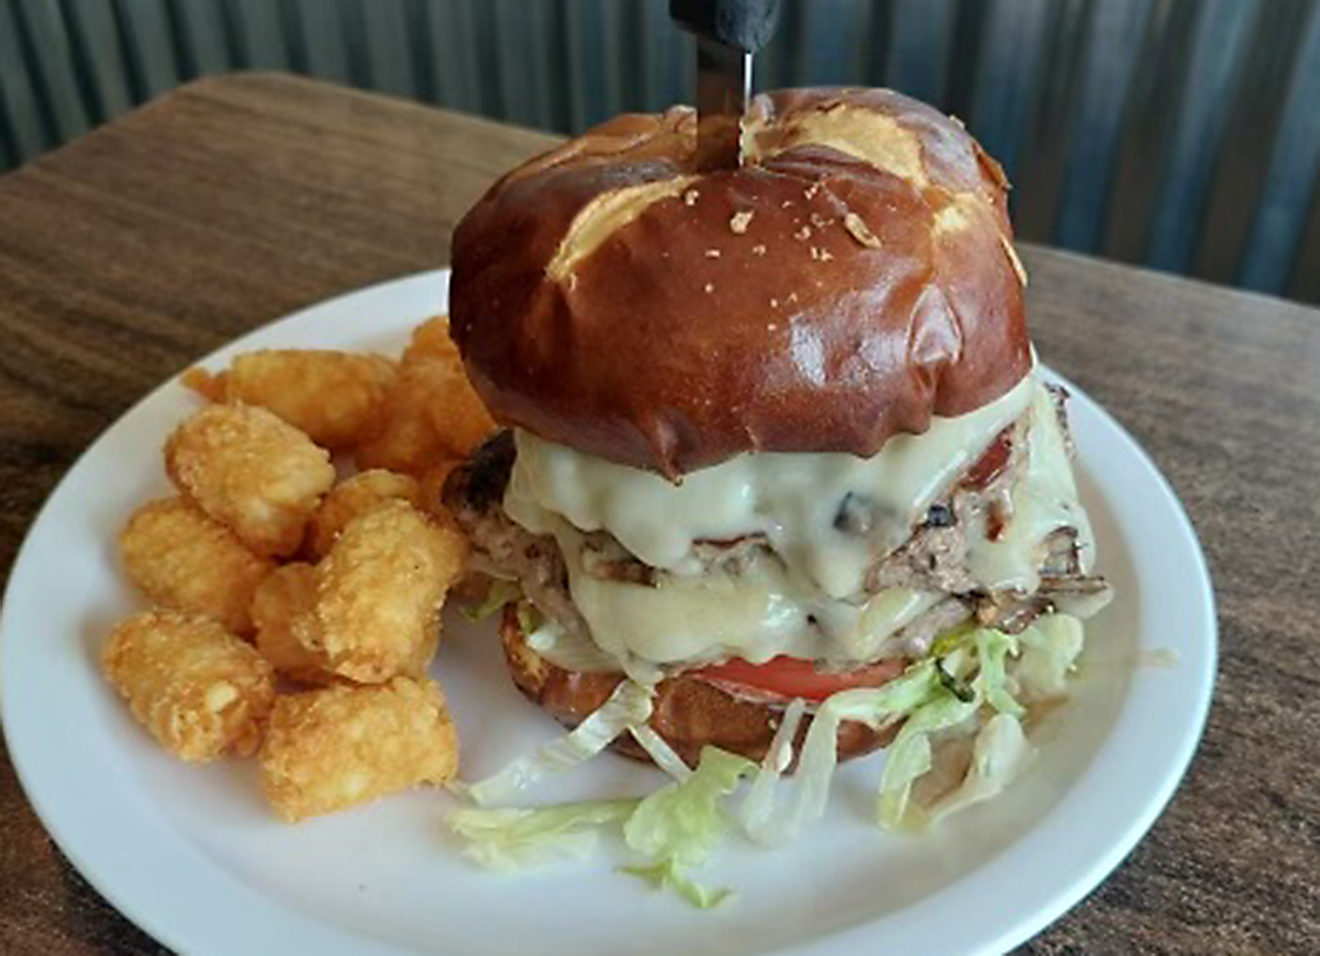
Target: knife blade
728, 33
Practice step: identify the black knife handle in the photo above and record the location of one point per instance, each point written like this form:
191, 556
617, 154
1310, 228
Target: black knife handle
742, 24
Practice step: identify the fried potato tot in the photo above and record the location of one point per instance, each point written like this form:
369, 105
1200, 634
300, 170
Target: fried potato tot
336, 398
457, 414
251, 471
181, 558
431, 412
473, 586
282, 601
199, 690
353, 497
337, 747
379, 592
407, 441
431, 339
212, 387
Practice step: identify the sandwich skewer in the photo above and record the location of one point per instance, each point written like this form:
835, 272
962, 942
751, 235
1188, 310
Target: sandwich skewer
728, 35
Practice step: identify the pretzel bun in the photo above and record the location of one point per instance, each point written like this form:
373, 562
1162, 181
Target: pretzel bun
854, 277
689, 712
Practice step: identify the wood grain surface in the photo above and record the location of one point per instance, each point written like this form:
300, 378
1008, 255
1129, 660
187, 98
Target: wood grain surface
141, 247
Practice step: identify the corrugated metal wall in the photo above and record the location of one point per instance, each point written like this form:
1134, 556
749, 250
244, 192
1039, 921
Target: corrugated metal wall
1184, 134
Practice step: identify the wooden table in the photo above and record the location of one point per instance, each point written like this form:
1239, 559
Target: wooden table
148, 243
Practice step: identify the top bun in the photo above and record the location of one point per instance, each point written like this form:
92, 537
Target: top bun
853, 278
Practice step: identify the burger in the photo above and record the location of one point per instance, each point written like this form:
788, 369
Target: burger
775, 434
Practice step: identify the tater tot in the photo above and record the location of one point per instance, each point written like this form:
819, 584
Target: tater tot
353, 497
181, 558
336, 398
407, 441
210, 386
251, 471
473, 586
337, 747
431, 412
285, 600
199, 690
379, 592
457, 414
431, 339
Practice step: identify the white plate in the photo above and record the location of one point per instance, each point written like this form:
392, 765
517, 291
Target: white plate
193, 856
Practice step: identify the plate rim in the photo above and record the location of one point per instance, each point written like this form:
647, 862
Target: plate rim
202, 931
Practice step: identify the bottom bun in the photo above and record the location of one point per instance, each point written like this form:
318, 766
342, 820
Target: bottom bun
689, 711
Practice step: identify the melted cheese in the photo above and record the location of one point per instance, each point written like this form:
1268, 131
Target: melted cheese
791, 499
687, 618
755, 615
807, 600
1042, 500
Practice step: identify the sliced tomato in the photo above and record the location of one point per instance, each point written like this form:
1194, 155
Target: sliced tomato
796, 677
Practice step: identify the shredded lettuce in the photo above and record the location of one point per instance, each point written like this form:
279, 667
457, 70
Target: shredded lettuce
1049, 653
529, 618
779, 754
674, 828
1033, 664
952, 640
499, 594
680, 824
999, 755
934, 697
757, 811
877, 708
991, 683
910, 755
961, 742
665, 874
658, 749
628, 706
684, 821
507, 838
954, 685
